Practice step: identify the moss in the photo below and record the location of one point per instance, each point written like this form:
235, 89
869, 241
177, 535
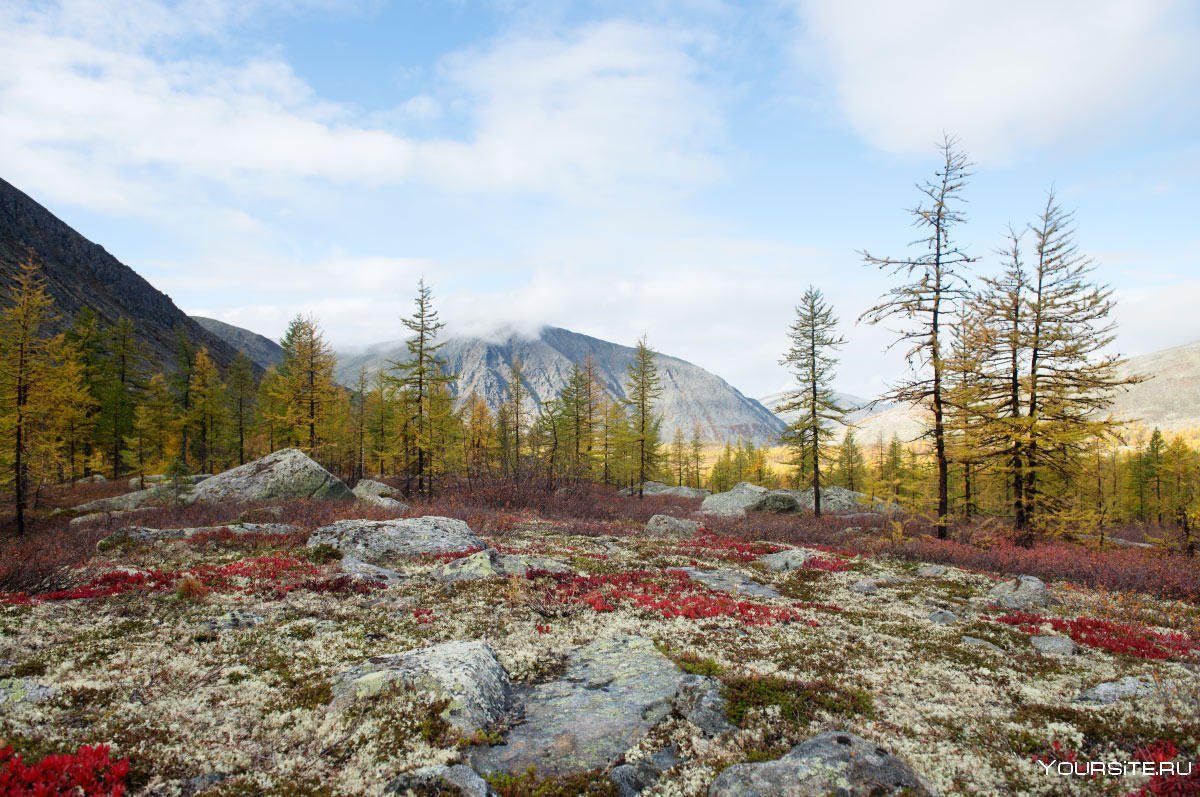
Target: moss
805, 585
695, 664
30, 668
311, 696
594, 783
1107, 729
321, 554
798, 701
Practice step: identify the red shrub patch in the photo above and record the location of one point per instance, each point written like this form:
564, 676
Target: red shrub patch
224, 538
730, 548
828, 564
89, 771
1128, 639
669, 593
450, 556
1167, 785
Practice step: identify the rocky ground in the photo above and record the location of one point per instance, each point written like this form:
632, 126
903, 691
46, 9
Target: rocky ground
417, 655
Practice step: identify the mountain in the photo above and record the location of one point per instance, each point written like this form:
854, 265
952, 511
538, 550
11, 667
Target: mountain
857, 406
691, 395
258, 348
79, 272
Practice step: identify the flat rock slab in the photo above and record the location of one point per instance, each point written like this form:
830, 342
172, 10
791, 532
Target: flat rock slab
24, 690
613, 692
144, 534
371, 540
730, 581
466, 672
931, 571
1022, 592
668, 526
832, 763
791, 559
365, 571
1053, 645
943, 617
126, 502
440, 779
491, 563
288, 473
1113, 691
982, 643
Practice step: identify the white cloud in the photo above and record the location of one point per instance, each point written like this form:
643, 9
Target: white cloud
1002, 76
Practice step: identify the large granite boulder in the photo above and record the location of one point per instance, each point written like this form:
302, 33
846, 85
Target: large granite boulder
658, 488
372, 540
733, 502
126, 502
777, 502
288, 473
831, 763
379, 494
613, 692
667, 526
1022, 592
465, 672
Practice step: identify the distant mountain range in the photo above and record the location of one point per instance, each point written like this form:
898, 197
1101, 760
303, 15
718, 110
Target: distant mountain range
691, 395
79, 272
257, 348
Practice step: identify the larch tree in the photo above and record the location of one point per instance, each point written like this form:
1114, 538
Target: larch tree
811, 360
696, 454
643, 389
514, 417
304, 385
122, 381
207, 414
925, 300
242, 395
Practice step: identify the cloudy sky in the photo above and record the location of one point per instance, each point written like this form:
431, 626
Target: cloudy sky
679, 169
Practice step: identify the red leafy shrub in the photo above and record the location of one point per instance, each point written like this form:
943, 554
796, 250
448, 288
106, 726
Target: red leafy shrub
244, 541
1127, 639
731, 548
828, 564
1178, 784
669, 593
89, 771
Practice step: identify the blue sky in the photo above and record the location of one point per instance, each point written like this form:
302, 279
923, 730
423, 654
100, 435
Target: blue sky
679, 169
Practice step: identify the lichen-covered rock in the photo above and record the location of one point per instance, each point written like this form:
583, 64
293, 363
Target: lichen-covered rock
24, 690
484, 564
1053, 645
233, 620
733, 502
779, 502
943, 617
1113, 691
1022, 592
658, 488
379, 494
730, 581
440, 779
465, 672
866, 587
371, 540
790, 559
667, 526
931, 571
126, 502
699, 701
144, 534
613, 691
831, 763
365, 571
633, 779
288, 473
982, 643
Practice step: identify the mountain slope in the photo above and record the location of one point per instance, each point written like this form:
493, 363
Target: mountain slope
258, 348
691, 395
79, 272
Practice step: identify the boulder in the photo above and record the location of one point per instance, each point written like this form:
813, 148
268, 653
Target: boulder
465, 672
667, 526
633, 779
1112, 691
371, 540
1022, 592
613, 692
866, 587
364, 571
144, 534
834, 762
658, 488
730, 581
126, 502
790, 559
484, 564
733, 502
1053, 645
779, 502
379, 494
931, 571
288, 473
943, 617
458, 779
699, 701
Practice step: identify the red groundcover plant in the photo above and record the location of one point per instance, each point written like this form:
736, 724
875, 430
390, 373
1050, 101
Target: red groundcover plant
1128, 639
89, 771
731, 548
1171, 785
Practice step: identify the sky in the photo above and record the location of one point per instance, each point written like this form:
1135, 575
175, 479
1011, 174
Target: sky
679, 170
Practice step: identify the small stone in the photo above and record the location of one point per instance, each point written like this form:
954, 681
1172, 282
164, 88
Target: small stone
668, 526
790, 559
633, 779
982, 643
1054, 645
1023, 592
235, 619
931, 571
866, 587
1113, 691
458, 779
943, 617
730, 581
699, 701
24, 690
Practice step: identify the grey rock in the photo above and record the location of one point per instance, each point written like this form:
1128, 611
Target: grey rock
288, 473
379, 494
632, 779
371, 540
734, 502
982, 643
943, 617
365, 571
730, 581
699, 701
1113, 691
1053, 645
831, 763
24, 690
779, 502
95, 478
519, 564
866, 587
613, 691
144, 534
1022, 592
667, 526
126, 502
199, 783
931, 571
466, 672
790, 559
235, 619
489, 563
141, 482
457, 779
658, 488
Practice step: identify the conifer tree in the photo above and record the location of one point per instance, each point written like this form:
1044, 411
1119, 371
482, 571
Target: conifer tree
643, 389
207, 414
122, 374
514, 417
697, 456
303, 386
811, 360
925, 300
153, 426
242, 393
851, 462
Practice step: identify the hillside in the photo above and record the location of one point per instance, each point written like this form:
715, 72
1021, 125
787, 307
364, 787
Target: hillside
691, 395
79, 272
259, 348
